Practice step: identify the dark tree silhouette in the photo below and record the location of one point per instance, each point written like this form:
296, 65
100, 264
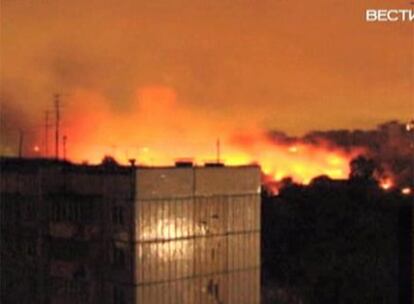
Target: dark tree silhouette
362, 168
334, 241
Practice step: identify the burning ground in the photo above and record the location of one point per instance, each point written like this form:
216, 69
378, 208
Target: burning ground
157, 82
157, 128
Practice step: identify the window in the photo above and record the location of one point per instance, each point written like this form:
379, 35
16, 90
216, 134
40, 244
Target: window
29, 210
213, 290
119, 296
119, 259
118, 215
76, 289
17, 211
68, 249
29, 247
12, 208
73, 211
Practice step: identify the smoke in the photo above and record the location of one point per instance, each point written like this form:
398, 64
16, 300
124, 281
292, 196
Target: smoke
390, 145
158, 82
16, 128
233, 60
156, 127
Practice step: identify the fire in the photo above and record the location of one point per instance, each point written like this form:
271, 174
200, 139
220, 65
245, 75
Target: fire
386, 183
156, 129
406, 191
302, 162
293, 149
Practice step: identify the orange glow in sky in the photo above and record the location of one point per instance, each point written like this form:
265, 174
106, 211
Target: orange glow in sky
157, 130
157, 81
288, 65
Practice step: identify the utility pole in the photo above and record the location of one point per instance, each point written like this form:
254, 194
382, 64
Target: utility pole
218, 150
46, 147
64, 146
21, 136
57, 114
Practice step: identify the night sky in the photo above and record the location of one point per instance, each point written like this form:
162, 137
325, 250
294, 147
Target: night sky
290, 65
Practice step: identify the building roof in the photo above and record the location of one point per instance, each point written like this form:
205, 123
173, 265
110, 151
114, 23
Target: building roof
108, 165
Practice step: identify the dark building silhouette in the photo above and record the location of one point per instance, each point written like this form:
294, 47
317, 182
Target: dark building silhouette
113, 234
406, 257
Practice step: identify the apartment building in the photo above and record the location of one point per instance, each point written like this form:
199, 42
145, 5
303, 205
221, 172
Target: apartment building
126, 234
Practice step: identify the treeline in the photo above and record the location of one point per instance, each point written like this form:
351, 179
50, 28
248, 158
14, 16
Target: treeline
336, 242
390, 145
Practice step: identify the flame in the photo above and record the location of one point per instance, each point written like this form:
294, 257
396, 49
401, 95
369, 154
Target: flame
406, 191
386, 183
302, 162
156, 129
293, 149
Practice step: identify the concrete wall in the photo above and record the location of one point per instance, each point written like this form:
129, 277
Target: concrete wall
70, 231
198, 242
156, 235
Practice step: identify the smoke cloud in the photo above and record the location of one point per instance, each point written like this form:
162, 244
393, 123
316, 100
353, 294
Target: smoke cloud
158, 81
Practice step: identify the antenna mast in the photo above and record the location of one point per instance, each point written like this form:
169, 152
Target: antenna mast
46, 148
57, 114
218, 150
21, 136
64, 146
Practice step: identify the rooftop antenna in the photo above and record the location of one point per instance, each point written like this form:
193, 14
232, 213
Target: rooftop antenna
218, 150
64, 146
132, 162
21, 137
57, 114
46, 142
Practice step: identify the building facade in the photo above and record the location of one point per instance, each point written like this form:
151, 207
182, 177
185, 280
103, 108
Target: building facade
112, 234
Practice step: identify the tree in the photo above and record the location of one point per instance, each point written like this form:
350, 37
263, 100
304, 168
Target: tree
362, 168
